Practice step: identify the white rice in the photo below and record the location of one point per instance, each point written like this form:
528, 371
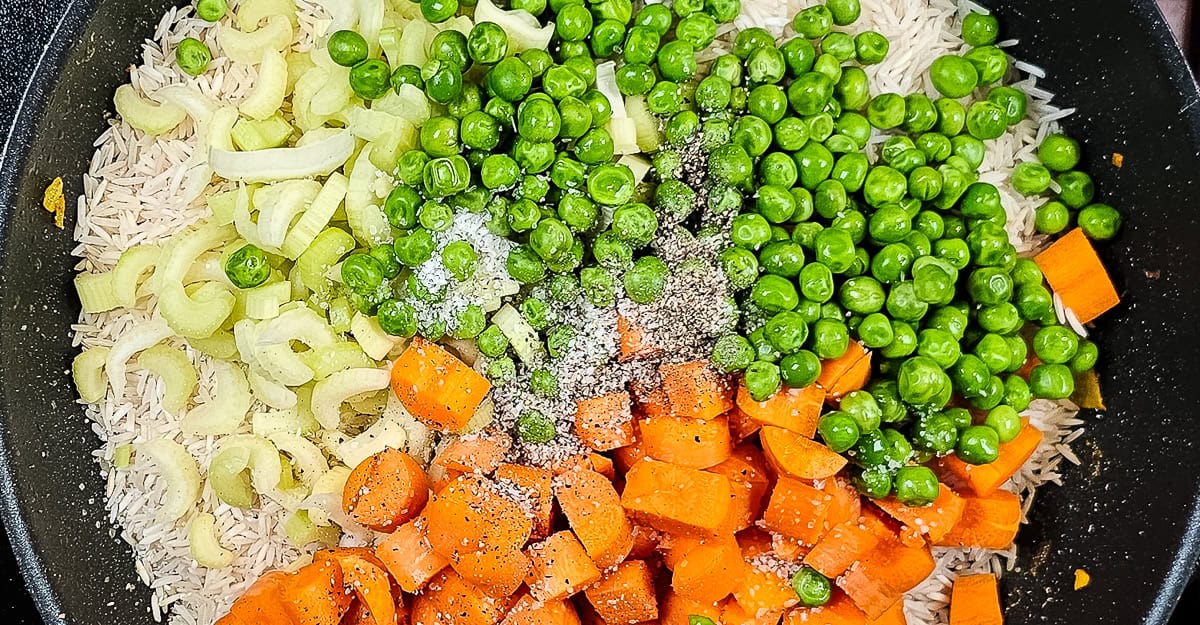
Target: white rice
130, 197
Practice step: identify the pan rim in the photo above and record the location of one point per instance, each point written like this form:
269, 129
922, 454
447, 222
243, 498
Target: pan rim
18, 139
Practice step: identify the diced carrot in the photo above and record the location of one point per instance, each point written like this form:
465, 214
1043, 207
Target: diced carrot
363, 574
605, 422
625, 595
695, 443
989, 522
804, 512
676, 609
935, 520
842, 546
696, 390
385, 490
561, 567
846, 373
1077, 275
316, 594
975, 600
451, 600
674, 547
747, 473
530, 611
788, 549
709, 571
839, 611
765, 586
649, 400
538, 484
475, 453
880, 579
894, 616
635, 343
627, 456
741, 426
603, 465
984, 479
645, 541
262, 603
795, 409
593, 508
672, 498
481, 531
796, 456
440, 476
732, 613
436, 387
358, 614
407, 555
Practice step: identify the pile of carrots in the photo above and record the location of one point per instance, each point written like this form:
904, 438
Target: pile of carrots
696, 503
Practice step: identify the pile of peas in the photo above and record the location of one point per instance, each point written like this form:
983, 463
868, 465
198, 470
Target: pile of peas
908, 256
522, 137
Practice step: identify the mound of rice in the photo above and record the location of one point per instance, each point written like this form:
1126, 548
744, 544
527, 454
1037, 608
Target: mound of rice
131, 196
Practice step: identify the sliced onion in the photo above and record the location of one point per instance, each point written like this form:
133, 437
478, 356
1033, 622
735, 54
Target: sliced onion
328, 394
140, 337
316, 159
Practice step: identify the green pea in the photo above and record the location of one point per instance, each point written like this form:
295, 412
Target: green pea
989, 285
986, 120
346, 48
886, 111
774, 294
1017, 393
525, 265
551, 239
1086, 356
815, 164
862, 295
1031, 178
1059, 152
884, 185
247, 267
211, 10
698, 29
816, 282
871, 47
979, 29
438, 11
995, 352
834, 248
1076, 189
1099, 221
607, 37
839, 45
1005, 421
935, 433
782, 258
814, 22
732, 353
766, 65
892, 262
730, 164
1051, 381
724, 199
371, 79
1055, 344
414, 248
724, 11
611, 185
655, 16
978, 444
875, 483
664, 98
635, 223
809, 93
799, 55
614, 253
762, 380
510, 79
916, 486
192, 56
397, 318
839, 431
953, 76
800, 369
786, 331
740, 267
904, 304
595, 147
990, 63
952, 116
850, 170
1014, 102
712, 94
677, 61
435, 216
645, 281
921, 380
830, 338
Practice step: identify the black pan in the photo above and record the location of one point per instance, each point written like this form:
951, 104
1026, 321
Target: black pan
1128, 516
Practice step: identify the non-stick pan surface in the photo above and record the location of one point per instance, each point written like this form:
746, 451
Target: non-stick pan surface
1128, 515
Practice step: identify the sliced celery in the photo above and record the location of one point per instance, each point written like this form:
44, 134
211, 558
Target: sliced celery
316, 159
292, 421
325, 251
316, 216
649, 138
198, 106
227, 408
95, 291
636, 164
177, 372
195, 315
182, 250
150, 117
301, 531
251, 134
412, 43
409, 103
131, 268
229, 479
520, 334
298, 63
606, 83
389, 42
297, 323
305, 457
123, 456
263, 302
140, 337
363, 207
251, 12
247, 46
222, 205
279, 204
374, 341
484, 413
328, 394
303, 92
270, 392
283, 365
383, 434
180, 473
220, 345
267, 93
330, 359
335, 94
241, 454
204, 544
391, 146
87, 369
624, 135
340, 315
